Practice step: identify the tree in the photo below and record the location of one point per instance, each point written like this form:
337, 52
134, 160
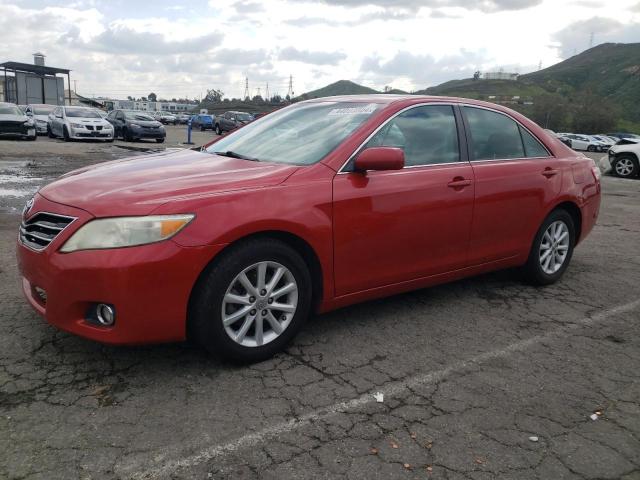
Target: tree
152, 97
214, 96
593, 114
551, 111
257, 99
130, 98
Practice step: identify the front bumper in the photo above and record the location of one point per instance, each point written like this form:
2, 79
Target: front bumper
149, 285
84, 134
148, 133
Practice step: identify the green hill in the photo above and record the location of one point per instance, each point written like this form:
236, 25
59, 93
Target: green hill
341, 87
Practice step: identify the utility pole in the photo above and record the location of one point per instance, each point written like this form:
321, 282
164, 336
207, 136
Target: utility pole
267, 92
258, 91
290, 90
75, 86
246, 87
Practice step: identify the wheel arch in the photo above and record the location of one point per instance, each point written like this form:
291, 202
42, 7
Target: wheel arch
576, 215
296, 242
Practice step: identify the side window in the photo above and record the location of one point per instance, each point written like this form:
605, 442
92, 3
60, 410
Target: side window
493, 135
428, 135
532, 147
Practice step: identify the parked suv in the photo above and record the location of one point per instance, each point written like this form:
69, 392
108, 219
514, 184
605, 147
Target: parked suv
319, 205
132, 125
231, 120
203, 122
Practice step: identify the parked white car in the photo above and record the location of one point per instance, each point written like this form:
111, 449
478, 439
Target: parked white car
40, 114
79, 123
624, 158
585, 142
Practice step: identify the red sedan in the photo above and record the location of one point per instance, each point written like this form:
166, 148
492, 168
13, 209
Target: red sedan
319, 205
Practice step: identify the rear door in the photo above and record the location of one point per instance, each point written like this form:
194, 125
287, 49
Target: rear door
400, 225
516, 181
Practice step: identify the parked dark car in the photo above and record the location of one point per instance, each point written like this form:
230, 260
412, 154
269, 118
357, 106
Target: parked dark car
15, 123
132, 126
231, 120
202, 121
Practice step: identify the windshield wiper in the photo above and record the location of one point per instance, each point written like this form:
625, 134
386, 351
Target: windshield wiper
232, 154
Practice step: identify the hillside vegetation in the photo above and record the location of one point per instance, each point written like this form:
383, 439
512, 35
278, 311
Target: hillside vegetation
597, 90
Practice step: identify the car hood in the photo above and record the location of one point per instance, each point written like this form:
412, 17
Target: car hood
138, 185
13, 118
145, 123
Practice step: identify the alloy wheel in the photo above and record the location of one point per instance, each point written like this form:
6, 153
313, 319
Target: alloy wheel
554, 247
259, 304
624, 167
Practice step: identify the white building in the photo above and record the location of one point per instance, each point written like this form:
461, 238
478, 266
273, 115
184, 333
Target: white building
146, 106
500, 75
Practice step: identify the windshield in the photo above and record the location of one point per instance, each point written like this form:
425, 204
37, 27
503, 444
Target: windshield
80, 112
10, 110
244, 116
302, 134
137, 116
43, 109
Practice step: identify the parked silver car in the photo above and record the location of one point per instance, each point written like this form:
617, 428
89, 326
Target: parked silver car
40, 114
78, 123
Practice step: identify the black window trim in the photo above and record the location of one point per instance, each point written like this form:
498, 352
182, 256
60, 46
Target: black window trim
470, 140
462, 144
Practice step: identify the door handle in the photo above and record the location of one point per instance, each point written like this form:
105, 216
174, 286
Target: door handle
459, 182
550, 172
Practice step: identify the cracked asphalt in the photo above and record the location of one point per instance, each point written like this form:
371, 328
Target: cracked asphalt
485, 378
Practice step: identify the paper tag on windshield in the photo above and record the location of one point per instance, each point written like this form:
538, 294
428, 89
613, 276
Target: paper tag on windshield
359, 110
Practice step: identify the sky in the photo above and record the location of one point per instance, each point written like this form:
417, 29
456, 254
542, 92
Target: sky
117, 48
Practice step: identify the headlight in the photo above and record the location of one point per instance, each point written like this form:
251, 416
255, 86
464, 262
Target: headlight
77, 125
107, 126
125, 232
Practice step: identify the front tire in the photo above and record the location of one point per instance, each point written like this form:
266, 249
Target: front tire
65, 134
159, 140
218, 130
552, 249
49, 132
626, 166
251, 302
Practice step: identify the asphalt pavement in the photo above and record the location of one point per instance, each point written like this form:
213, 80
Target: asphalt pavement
485, 378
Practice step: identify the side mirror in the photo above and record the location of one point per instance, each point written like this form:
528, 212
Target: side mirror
380, 158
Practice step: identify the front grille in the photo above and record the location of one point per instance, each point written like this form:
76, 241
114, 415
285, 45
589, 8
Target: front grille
12, 127
42, 228
89, 127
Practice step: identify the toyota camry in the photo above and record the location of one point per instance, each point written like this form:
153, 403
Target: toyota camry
319, 205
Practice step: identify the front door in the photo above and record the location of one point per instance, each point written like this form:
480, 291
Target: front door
395, 226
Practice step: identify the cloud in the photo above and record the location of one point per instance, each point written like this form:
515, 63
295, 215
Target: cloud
421, 69
122, 39
576, 37
315, 58
414, 5
234, 56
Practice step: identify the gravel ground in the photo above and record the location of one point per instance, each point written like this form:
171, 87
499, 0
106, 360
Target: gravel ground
480, 379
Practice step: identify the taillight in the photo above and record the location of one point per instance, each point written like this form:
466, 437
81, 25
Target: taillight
596, 170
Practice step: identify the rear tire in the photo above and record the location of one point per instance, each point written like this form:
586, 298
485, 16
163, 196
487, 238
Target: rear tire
551, 253
626, 166
220, 280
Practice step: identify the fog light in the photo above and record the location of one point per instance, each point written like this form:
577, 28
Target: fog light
105, 314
